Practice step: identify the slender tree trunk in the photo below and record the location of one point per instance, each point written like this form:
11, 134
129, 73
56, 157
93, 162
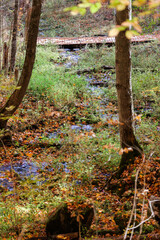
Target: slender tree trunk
124, 91
14, 38
21, 12
5, 57
1, 29
27, 21
16, 98
22, 5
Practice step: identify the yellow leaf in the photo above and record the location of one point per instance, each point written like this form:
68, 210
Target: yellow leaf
139, 3
120, 7
154, 4
129, 34
10, 108
113, 32
121, 151
18, 87
137, 26
126, 24
126, 2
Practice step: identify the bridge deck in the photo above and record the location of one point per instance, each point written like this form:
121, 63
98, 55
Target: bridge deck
99, 40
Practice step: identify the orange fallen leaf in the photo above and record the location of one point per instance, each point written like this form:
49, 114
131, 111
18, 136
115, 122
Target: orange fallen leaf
29, 154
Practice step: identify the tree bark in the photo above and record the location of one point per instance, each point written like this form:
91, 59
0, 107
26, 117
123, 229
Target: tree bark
5, 57
27, 21
14, 38
1, 29
124, 91
17, 96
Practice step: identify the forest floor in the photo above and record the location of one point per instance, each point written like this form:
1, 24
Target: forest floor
45, 173
65, 134
66, 145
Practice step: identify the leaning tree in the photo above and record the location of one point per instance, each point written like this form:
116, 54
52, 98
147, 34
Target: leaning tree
13, 102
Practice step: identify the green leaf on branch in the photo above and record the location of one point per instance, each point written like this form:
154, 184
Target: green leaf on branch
81, 8
5, 118
82, 11
131, 33
115, 31
74, 10
84, 5
95, 7
120, 5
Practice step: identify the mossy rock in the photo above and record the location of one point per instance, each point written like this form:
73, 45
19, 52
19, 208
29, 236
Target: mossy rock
5, 138
121, 220
63, 220
148, 228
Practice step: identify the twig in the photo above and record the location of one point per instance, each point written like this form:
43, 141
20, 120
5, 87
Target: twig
134, 205
152, 215
142, 214
24, 229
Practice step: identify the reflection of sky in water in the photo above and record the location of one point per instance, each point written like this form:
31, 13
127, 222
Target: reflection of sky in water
66, 170
71, 56
23, 169
78, 128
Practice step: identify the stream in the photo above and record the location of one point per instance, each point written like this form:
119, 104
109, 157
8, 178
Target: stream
30, 169
26, 168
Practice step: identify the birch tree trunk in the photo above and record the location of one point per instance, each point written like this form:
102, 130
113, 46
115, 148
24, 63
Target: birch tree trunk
17, 96
124, 91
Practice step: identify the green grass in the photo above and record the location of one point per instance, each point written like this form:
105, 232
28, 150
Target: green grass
96, 57
65, 88
146, 56
149, 136
50, 79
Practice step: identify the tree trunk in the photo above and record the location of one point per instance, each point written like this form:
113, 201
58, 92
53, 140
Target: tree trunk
27, 21
16, 98
22, 5
124, 91
5, 57
14, 38
1, 29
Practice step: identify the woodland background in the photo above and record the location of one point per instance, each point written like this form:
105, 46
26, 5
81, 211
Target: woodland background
65, 143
